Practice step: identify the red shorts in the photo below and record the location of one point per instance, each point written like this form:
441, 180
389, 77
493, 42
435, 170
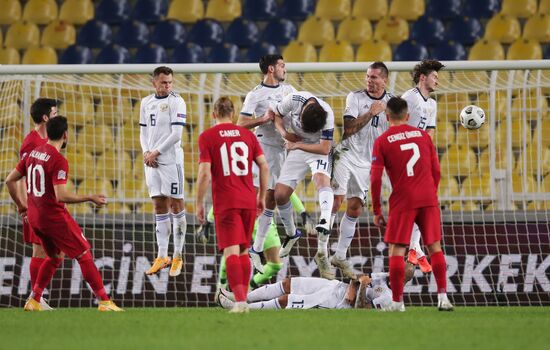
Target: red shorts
234, 227
66, 237
28, 234
400, 225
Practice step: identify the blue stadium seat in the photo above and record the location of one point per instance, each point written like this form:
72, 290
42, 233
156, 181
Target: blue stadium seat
113, 54
449, 51
428, 30
260, 10
260, 49
547, 53
169, 33
465, 30
224, 53
280, 32
481, 8
94, 34
242, 32
150, 11
188, 53
76, 54
132, 33
444, 9
206, 32
410, 50
113, 11
297, 9
151, 53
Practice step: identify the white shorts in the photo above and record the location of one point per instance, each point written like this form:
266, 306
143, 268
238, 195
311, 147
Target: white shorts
275, 157
298, 162
350, 180
314, 292
165, 181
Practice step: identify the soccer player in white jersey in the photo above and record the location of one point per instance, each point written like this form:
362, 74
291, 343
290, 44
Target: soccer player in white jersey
307, 124
364, 121
312, 292
162, 119
422, 113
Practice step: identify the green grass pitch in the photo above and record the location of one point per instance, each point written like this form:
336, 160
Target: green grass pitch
213, 328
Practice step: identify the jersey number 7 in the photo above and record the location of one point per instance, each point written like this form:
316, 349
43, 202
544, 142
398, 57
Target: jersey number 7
236, 159
414, 158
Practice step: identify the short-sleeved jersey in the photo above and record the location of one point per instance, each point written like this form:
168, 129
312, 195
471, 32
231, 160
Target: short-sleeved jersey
230, 150
158, 115
358, 147
422, 110
256, 103
410, 159
31, 141
290, 108
44, 167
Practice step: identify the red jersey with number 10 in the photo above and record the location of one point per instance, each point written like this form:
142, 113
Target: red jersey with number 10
230, 150
410, 159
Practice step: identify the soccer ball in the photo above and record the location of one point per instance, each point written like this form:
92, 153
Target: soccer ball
472, 117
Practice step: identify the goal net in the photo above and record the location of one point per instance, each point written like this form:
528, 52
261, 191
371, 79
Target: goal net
494, 193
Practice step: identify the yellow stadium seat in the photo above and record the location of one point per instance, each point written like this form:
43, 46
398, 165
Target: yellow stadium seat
9, 55
76, 11
503, 28
81, 164
40, 11
444, 134
501, 160
101, 85
95, 139
458, 161
316, 31
223, 10
374, 50
537, 28
465, 206
479, 79
11, 11
114, 111
354, 30
544, 129
523, 49
186, 11
477, 186
539, 205
59, 91
22, 35
523, 184
79, 109
335, 10
394, 30
336, 51
483, 101
474, 138
448, 187
338, 104
450, 104
519, 8
96, 186
40, 55
59, 35
298, 51
486, 50
128, 137
407, 9
527, 103
373, 10
114, 166
518, 139
544, 7
321, 82
534, 160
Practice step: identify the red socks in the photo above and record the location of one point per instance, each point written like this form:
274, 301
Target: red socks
34, 267
92, 275
245, 265
439, 267
397, 277
44, 276
235, 276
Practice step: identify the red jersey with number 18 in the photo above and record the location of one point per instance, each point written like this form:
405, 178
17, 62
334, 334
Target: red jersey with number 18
410, 159
230, 150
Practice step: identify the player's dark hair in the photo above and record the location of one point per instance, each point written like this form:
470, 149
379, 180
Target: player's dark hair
162, 70
223, 107
426, 67
56, 127
314, 117
380, 65
269, 60
41, 107
396, 108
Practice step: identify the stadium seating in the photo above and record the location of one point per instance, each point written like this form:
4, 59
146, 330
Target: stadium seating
448, 187
335, 10
458, 161
476, 139
111, 108
544, 7
519, 8
113, 11
242, 32
22, 35
11, 11
223, 10
336, 51
428, 31
76, 12
444, 134
186, 11
113, 54
523, 49
503, 28
410, 50
533, 161
279, 31
59, 35
40, 11
354, 30
80, 108
464, 30
481, 8
9, 55
486, 50
543, 127
374, 50
523, 184
224, 53
150, 11
206, 32
169, 33
518, 139
256, 51
132, 33
94, 34
297, 10
393, 30
297, 51
444, 9
316, 31
260, 10
96, 138
530, 106
79, 162
407, 9
150, 53
188, 53
76, 54
373, 10
537, 28
449, 51
477, 186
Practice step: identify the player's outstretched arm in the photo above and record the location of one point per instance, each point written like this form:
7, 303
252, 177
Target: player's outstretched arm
203, 180
279, 125
264, 179
353, 125
64, 196
13, 188
323, 147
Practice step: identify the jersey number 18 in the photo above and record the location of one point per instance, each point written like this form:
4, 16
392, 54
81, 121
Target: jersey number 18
236, 159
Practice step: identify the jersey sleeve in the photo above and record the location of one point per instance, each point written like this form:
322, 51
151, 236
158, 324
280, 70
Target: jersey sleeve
249, 105
352, 107
142, 117
284, 108
178, 112
204, 150
60, 171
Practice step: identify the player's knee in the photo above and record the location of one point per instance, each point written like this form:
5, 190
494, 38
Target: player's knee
286, 285
434, 247
337, 203
283, 301
38, 251
84, 256
176, 205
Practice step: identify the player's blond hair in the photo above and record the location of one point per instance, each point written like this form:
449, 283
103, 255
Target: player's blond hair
223, 107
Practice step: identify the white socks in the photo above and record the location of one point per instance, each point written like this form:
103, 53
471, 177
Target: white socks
162, 233
179, 227
269, 304
286, 213
267, 292
415, 242
326, 199
263, 227
347, 231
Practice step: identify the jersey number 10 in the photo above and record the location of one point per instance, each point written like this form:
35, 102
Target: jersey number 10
236, 159
34, 174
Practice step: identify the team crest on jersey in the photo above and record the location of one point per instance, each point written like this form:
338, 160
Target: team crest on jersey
163, 107
61, 175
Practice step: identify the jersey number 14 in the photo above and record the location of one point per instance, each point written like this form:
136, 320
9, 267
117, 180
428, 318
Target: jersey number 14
239, 162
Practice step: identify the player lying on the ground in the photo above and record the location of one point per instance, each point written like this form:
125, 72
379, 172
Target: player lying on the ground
313, 292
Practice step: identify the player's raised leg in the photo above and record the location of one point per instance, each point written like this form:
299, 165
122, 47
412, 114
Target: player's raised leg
326, 200
282, 197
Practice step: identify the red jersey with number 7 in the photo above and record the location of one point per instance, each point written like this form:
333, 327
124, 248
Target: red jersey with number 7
230, 149
410, 159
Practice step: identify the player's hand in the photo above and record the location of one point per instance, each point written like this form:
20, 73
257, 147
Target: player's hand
364, 279
377, 107
379, 220
268, 116
200, 213
98, 199
150, 158
292, 137
23, 212
260, 205
291, 145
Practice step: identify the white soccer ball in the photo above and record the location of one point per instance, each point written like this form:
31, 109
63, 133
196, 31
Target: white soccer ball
472, 117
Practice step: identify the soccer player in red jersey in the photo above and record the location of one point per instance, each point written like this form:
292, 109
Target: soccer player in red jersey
46, 172
226, 155
410, 159
41, 111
